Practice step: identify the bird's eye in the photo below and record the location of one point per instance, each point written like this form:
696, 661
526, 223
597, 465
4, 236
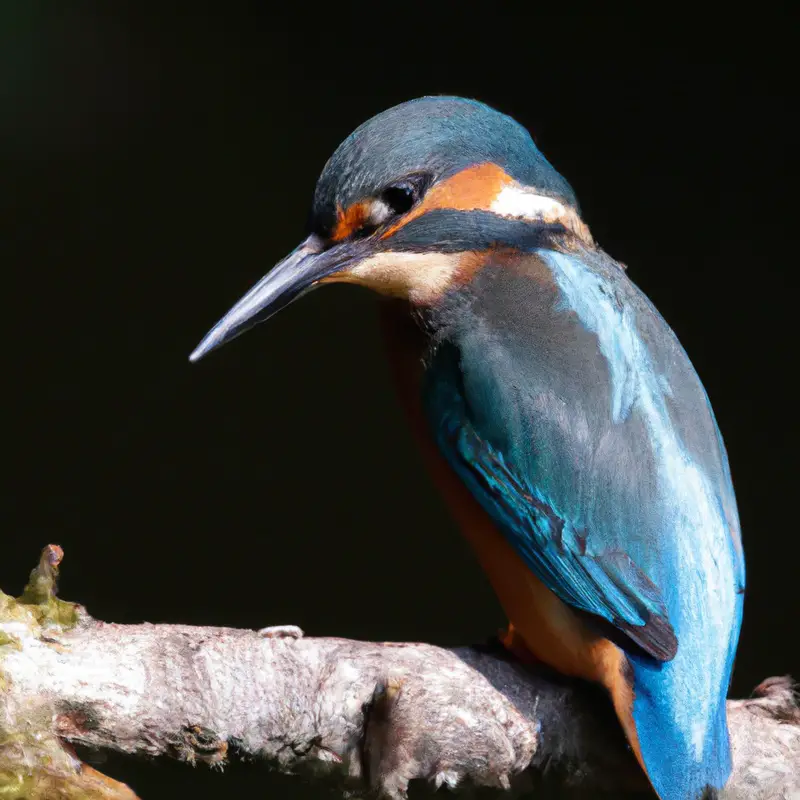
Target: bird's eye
401, 197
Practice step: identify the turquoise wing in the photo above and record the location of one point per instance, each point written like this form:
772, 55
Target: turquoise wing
606, 583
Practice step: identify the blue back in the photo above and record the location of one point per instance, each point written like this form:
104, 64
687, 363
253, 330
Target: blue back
565, 402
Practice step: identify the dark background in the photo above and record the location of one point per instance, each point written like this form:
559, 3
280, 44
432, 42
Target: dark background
156, 162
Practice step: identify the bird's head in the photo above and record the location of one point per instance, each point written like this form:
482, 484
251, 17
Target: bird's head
407, 204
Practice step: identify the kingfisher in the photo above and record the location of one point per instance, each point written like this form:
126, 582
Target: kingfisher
561, 418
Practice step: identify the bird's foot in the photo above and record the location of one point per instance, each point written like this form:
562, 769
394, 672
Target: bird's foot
282, 632
516, 646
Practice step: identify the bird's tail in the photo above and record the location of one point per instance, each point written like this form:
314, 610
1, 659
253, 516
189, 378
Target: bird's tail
684, 752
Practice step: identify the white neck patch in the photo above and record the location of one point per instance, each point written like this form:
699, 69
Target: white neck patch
514, 201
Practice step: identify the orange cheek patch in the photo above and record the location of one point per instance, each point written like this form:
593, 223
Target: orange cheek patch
349, 220
473, 188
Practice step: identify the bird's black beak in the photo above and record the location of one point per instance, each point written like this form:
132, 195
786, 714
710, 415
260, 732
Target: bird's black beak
296, 275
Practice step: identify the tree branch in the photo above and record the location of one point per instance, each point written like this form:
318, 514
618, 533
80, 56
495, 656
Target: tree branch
365, 717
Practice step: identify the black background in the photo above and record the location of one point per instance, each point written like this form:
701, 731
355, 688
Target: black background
157, 160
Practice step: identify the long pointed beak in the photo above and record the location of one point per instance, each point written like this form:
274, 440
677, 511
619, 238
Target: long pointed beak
296, 275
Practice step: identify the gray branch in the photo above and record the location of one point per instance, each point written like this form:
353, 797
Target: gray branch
364, 718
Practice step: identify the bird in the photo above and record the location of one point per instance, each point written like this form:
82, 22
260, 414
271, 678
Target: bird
559, 415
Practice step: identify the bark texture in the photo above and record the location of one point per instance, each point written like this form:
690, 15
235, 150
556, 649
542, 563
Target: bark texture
364, 719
